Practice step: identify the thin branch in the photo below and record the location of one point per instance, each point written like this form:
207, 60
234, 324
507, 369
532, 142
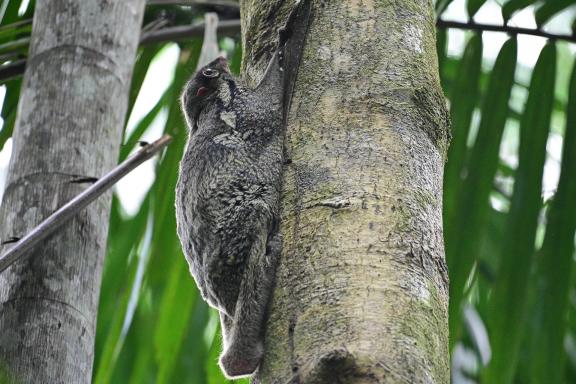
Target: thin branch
503, 28
225, 28
67, 211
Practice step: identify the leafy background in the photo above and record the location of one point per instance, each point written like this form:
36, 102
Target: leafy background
510, 197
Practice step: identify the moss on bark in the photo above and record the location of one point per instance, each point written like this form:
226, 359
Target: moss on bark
362, 289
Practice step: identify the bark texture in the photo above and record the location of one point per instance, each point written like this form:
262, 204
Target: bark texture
68, 129
362, 289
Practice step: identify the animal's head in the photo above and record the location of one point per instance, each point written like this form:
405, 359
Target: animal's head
210, 83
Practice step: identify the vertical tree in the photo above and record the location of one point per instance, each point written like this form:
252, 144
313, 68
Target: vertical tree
362, 290
68, 132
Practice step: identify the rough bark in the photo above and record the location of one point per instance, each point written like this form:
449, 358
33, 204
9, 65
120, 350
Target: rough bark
68, 129
362, 289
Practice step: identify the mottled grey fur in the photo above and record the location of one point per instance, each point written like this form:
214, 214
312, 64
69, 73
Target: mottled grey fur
227, 197
227, 204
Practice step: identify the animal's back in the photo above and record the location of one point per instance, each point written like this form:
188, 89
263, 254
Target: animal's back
229, 187
228, 184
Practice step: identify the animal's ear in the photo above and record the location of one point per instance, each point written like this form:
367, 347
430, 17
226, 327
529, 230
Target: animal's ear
210, 73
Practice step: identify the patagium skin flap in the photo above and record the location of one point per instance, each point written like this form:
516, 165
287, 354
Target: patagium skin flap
228, 192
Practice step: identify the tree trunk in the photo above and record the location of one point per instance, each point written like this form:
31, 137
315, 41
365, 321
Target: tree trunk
68, 132
362, 289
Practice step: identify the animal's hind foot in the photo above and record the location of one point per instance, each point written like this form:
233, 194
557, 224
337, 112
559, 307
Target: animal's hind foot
238, 363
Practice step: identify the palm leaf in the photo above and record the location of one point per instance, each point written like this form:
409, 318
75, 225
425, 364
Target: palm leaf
463, 100
469, 223
513, 6
556, 263
508, 308
549, 9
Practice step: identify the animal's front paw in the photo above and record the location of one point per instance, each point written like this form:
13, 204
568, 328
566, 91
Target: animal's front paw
236, 362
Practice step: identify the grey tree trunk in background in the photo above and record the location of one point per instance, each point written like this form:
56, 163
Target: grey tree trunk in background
362, 289
68, 131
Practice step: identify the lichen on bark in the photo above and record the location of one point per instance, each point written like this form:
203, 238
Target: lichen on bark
362, 288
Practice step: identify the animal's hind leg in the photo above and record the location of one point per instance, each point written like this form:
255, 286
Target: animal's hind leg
244, 352
226, 327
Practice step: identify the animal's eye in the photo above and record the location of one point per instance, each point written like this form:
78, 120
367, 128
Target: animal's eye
210, 73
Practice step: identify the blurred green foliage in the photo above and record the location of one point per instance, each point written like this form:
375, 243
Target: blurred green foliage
509, 243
